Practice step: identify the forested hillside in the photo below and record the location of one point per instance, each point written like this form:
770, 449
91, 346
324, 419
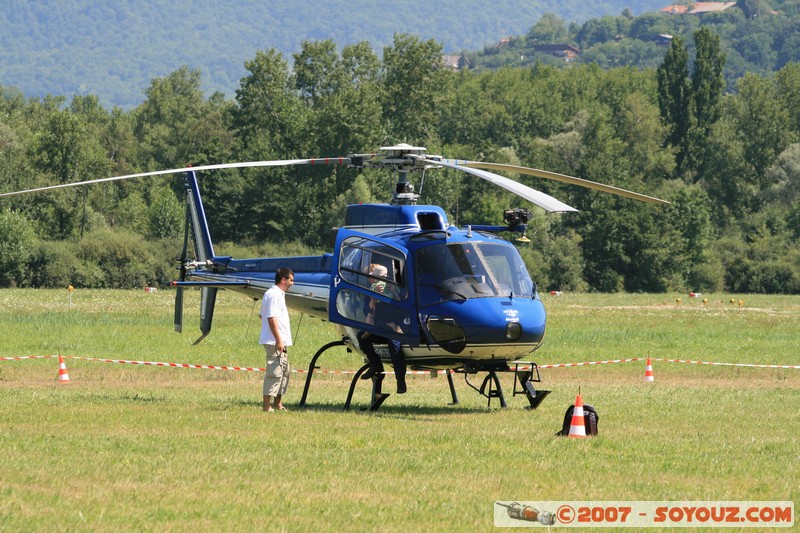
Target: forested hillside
113, 49
757, 36
728, 162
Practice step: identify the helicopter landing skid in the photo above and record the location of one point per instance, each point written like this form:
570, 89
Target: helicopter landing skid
493, 383
523, 384
313, 366
525, 379
490, 388
452, 385
378, 397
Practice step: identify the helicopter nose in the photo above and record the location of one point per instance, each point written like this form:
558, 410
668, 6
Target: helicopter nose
483, 321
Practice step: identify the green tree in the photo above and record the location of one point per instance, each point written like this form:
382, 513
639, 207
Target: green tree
317, 72
343, 108
550, 29
752, 8
788, 81
708, 82
342, 95
269, 111
270, 117
674, 96
66, 150
174, 105
729, 176
414, 85
644, 134
17, 241
166, 215
597, 31
14, 131
765, 122
784, 179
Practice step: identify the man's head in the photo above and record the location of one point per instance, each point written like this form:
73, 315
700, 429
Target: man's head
284, 278
379, 271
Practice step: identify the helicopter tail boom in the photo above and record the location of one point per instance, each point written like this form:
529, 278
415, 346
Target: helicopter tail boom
203, 248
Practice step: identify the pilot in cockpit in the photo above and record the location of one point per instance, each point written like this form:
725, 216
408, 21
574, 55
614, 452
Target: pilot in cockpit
388, 317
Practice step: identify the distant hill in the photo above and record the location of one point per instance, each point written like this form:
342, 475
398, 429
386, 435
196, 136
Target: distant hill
113, 49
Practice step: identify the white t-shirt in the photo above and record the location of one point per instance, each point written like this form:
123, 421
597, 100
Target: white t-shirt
274, 305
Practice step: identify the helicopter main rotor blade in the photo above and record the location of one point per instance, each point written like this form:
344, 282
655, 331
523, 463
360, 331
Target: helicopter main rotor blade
546, 202
562, 178
246, 164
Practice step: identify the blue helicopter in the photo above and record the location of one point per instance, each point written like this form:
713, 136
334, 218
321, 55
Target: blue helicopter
454, 299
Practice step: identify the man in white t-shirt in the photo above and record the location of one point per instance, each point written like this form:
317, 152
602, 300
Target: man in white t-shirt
276, 336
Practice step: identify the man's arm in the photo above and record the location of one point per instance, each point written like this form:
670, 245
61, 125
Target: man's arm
273, 326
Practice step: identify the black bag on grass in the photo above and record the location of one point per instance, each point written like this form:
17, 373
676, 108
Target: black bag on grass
590, 419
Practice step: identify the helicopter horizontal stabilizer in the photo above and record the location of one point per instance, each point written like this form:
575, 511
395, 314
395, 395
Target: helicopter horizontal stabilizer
217, 284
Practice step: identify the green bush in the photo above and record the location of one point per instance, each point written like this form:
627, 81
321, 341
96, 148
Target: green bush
54, 264
707, 277
17, 241
123, 257
775, 277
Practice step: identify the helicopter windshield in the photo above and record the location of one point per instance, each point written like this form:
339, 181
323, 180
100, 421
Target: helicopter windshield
462, 271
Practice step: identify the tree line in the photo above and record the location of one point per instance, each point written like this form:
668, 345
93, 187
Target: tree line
729, 162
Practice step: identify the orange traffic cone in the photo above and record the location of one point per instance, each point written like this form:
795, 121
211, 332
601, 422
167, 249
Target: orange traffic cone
648, 371
577, 428
63, 377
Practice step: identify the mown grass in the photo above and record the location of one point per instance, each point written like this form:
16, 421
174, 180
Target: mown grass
125, 447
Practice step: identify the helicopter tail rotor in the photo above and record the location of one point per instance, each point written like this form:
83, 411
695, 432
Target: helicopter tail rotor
196, 225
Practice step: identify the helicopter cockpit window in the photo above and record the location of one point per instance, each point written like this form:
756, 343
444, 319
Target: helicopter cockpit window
462, 271
373, 266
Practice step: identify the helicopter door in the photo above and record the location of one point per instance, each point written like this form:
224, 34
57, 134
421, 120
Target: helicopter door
372, 287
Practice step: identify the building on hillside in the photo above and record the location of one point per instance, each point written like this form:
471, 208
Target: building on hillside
564, 51
698, 8
455, 62
663, 39
675, 10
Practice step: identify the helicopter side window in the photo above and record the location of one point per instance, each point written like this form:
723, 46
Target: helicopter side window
373, 266
376, 271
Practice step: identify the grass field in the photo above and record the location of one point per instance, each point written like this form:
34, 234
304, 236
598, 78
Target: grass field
131, 447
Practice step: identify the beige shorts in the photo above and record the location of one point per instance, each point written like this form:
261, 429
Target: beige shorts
276, 377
